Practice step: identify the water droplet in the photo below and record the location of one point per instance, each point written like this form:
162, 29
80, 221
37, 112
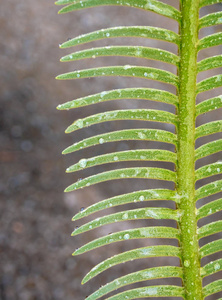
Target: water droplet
125, 216
79, 123
141, 135
101, 140
186, 263
82, 209
126, 236
126, 67
83, 163
115, 158
141, 198
107, 34
216, 266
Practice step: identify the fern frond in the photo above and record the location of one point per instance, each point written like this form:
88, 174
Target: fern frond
185, 175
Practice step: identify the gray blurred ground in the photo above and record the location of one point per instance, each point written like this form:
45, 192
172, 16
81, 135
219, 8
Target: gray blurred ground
35, 226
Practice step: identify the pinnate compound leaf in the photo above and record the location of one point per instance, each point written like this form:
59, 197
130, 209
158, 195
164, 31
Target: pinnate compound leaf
145, 134
147, 274
139, 253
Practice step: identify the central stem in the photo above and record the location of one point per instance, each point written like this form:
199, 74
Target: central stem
186, 147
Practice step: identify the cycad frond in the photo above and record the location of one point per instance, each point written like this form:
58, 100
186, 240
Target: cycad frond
186, 215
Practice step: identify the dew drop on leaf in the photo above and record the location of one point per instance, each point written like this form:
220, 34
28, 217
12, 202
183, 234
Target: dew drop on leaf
216, 266
141, 198
126, 236
186, 263
83, 163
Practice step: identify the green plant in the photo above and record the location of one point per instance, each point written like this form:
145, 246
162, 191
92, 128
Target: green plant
184, 158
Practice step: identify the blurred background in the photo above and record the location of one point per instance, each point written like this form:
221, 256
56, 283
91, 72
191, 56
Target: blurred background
35, 224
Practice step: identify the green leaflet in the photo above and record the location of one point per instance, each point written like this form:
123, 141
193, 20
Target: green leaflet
134, 214
210, 63
138, 233
209, 209
210, 41
130, 93
209, 105
140, 196
212, 267
131, 155
154, 291
209, 189
147, 274
145, 252
127, 31
130, 51
129, 134
209, 170
211, 248
208, 149
132, 114
208, 128
152, 5
209, 83
209, 229
127, 70
211, 20
152, 173
213, 287
208, 2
